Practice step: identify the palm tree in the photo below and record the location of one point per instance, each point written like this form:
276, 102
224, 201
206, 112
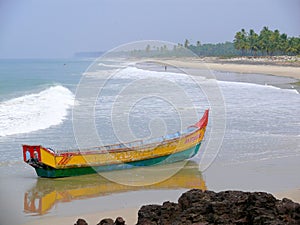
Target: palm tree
238, 40
293, 46
283, 43
265, 39
241, 41
253, 41
274, 41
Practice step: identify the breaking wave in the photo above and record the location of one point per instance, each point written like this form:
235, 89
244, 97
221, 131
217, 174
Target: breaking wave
34, 112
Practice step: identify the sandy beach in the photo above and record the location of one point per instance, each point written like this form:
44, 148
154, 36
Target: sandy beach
232, 66
291, 194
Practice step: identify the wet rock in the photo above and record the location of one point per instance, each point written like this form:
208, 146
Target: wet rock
227, 207
119, 221
107, 221
81, 222
149, 215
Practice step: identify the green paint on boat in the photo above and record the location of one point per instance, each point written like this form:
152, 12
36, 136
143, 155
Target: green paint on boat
76, 171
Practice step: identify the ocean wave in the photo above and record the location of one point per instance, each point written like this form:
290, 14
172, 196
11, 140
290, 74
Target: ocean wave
112, 65
34, 112
133, 72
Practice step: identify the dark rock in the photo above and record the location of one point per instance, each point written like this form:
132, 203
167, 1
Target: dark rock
107, 221
81, 222
149, 215
119, 221
196, 207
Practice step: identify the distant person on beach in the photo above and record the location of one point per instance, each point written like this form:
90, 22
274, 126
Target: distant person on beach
165, 68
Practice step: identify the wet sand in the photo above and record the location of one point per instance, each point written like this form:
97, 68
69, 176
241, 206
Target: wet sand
277, 176
275, 70
291, 194
129, 215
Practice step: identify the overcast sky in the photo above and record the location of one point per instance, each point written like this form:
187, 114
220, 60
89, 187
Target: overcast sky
59, 28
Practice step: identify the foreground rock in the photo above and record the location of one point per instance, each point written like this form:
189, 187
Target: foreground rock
107, 221
81, 222
196, 207
229, 207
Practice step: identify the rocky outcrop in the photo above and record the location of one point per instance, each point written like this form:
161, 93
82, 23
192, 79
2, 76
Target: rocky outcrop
196, 207
81, 222
228, 207
109, 221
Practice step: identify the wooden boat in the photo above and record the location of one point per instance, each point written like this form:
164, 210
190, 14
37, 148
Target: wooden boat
168, 149
48, 193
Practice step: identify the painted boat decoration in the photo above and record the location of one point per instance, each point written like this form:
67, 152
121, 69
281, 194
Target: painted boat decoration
168, 149
48, 193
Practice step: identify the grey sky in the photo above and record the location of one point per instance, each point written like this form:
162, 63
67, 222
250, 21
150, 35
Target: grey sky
58, 28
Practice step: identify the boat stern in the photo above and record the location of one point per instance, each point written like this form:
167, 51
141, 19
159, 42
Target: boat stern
31, 153
38, 156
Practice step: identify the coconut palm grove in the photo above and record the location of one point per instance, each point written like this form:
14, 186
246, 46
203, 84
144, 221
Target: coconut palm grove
249, 43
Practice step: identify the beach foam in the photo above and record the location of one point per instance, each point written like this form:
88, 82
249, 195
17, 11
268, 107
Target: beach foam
134, 73
35, 111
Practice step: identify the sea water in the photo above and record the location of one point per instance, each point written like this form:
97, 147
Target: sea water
37, 96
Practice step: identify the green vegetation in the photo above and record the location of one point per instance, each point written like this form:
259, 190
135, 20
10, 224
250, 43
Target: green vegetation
182, 50
267, 42
220, 49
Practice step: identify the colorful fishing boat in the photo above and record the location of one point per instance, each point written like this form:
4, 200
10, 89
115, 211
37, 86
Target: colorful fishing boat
167, 149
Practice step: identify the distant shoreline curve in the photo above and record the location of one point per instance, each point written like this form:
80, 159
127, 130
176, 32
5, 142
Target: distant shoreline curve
275, 70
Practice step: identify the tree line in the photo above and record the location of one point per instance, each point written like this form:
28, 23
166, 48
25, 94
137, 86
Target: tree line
219, 49
267, 42
264, 43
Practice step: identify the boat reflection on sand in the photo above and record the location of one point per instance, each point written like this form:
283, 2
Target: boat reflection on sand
48, 192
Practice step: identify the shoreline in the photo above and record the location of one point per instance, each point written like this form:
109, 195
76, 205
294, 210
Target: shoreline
281, 76
293, 194
237, 67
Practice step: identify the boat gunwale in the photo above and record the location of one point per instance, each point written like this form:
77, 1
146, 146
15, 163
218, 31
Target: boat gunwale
116, 150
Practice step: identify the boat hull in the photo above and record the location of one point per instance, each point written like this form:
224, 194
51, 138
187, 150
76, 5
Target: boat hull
170, 148
51, 172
